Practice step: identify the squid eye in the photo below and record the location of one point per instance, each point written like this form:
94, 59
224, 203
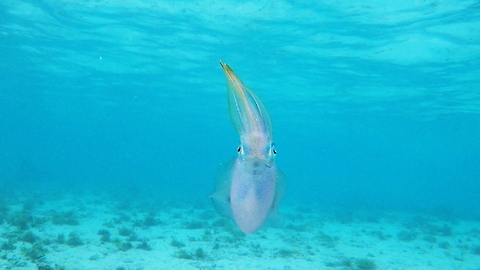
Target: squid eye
272, 147
239, 149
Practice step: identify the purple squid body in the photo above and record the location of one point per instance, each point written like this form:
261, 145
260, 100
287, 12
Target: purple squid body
250, 191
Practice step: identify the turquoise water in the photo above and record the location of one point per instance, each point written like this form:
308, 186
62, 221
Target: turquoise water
375, 105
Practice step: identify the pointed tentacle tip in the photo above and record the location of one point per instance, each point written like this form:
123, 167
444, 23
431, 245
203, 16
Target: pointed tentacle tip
225, 67
223, 64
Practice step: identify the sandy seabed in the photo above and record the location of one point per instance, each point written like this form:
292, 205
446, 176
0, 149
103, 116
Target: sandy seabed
90, 232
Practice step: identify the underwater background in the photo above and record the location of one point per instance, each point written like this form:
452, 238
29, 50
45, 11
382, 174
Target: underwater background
375, 105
